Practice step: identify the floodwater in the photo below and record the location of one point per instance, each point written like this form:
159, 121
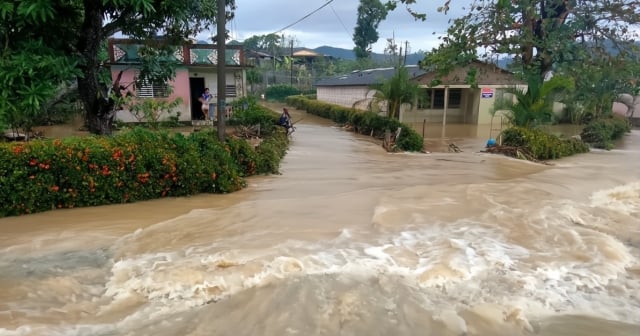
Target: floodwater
349, 240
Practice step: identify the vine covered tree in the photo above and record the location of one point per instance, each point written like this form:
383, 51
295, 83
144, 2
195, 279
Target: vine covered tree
370, 14
541, 35
74, 31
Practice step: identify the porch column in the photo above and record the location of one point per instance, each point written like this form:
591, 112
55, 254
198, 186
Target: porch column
446, 106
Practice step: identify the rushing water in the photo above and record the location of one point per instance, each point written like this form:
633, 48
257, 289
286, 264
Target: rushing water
349, 240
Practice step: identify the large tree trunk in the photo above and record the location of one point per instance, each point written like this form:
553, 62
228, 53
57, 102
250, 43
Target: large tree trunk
537, 21
98, 106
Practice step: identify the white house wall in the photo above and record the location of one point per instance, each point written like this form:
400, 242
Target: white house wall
474, 109
342, 95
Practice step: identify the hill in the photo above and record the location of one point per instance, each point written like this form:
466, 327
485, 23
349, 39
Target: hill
348, 54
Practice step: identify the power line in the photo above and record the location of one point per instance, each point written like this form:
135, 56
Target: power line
304, 17
339, 19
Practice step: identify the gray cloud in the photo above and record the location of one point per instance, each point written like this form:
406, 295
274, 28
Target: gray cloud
333, 25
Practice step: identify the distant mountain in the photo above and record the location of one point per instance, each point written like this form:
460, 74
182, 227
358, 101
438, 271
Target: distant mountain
349, 54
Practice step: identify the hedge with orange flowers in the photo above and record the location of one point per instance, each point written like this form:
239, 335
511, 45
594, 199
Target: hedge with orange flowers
135, 165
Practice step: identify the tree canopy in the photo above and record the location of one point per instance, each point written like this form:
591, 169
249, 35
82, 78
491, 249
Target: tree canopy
370, 14
74, 31
541, 35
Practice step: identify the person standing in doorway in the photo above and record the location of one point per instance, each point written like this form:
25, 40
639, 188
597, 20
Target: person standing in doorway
205, 99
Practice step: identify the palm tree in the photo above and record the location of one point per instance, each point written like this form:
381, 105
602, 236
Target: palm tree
534, 106
398, 90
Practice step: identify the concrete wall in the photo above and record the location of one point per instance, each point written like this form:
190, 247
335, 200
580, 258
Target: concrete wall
343, 95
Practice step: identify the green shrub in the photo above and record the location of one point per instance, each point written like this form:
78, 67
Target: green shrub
270, 152
542, 145
252, 114
601, 133
281, 91
368, 123
135, 165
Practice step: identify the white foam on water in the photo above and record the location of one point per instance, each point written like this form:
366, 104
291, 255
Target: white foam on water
565, 264
624, 199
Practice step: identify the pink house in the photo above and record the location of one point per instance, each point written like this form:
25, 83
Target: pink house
196, 71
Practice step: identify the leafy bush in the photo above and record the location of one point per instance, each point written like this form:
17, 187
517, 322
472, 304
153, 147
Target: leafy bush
250, 113
368, 123
281, 91
135, 165
542, 145
601, 133
534, 106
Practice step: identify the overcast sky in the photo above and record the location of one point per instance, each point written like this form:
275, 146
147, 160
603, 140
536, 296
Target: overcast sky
333, 25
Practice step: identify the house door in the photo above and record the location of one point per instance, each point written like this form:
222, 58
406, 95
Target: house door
196, 87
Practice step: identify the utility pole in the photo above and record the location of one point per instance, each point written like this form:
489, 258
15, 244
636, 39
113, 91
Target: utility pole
406, 50
291, 64
222, 85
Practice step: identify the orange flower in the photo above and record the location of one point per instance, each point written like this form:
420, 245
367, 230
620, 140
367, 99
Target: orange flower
55, 188
117, 154
33, 162
17, 150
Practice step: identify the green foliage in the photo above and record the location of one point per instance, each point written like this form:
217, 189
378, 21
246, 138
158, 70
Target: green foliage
71, 33
281, 91
370, 14
367, 123
395, 92
601, 133
271, 152
542, 145
151, 112
135, 165
29, 78
269, 43
542, 36
248, 112
534, 105
597, 84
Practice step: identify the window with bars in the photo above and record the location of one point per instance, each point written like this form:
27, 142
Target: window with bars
153, 90
437, 99
230, 91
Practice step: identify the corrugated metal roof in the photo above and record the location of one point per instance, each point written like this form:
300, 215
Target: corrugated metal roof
368, 77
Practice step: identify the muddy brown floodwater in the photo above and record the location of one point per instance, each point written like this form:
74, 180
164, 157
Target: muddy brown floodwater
348, 240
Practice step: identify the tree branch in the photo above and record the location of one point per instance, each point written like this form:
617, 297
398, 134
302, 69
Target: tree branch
116, 25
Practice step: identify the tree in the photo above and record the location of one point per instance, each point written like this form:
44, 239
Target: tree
534, 105
75, 29
394, 92
268, 43
370, 14
541, 35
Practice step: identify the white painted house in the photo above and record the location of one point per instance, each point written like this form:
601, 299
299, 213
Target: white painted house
453, 100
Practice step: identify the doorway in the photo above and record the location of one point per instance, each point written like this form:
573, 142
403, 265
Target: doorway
196, 87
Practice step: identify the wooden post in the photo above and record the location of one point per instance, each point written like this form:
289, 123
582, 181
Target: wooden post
387, 140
